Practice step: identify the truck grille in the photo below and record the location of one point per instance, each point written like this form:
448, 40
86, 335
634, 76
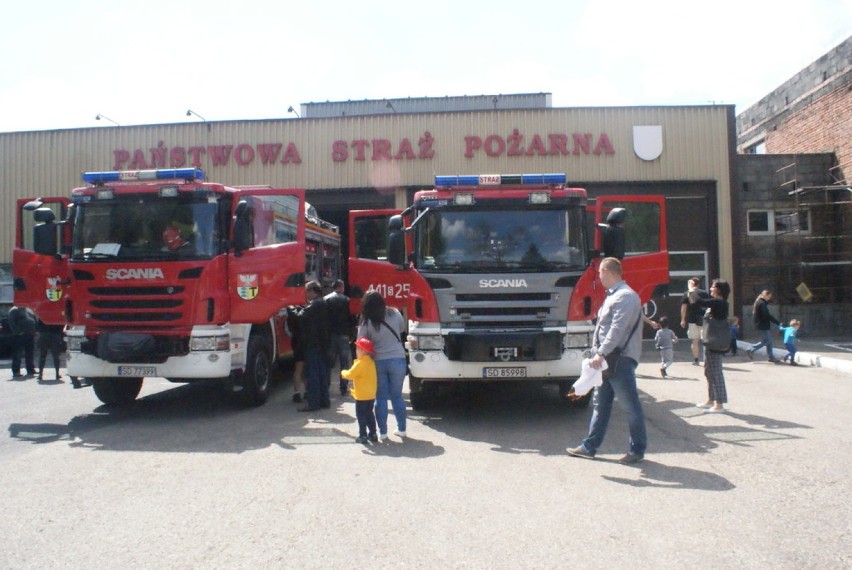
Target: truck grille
136, 305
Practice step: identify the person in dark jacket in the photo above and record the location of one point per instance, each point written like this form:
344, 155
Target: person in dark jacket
313, 328
22, 324
340, 324
763, 321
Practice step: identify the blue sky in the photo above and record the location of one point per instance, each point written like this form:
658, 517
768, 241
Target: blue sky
148, 62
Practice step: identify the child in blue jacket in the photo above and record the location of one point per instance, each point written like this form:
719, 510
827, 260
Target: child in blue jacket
790, 339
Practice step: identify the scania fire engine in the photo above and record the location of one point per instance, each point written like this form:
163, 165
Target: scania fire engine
497, 273
156, 273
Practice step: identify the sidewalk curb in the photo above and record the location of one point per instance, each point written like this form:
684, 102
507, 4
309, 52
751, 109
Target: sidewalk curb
807, 358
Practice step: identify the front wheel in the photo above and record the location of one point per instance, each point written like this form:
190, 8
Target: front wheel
117, 391
258, 372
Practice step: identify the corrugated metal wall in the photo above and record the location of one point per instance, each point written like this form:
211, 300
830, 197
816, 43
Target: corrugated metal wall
696, 147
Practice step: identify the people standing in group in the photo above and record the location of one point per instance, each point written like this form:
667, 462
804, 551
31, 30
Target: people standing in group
49, 340
718, 305
791, 337
313, 331
664, 341
22, 325
362, 374
618, 340
763, 321
384, 326
735, 333
340, 328
690, 316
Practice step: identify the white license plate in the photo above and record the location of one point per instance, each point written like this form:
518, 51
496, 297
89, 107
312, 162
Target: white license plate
511, 372
137, 371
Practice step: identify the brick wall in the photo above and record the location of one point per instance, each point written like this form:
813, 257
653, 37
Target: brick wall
825, 125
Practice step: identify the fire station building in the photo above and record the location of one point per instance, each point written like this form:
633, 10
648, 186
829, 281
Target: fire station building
376, 154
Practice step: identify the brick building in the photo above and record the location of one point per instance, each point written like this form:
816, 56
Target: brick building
792, 196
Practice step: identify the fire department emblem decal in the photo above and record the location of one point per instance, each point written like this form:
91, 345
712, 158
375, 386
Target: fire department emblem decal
247, 289
53, 292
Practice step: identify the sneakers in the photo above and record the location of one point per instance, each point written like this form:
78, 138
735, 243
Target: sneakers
373, 437
400, 433
663, 372
631, 458
716, 410
361, 439
750, 354
580, 452
383, 437
704, 405
774, 361
695, 362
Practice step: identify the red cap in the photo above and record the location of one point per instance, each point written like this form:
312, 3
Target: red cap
366, 345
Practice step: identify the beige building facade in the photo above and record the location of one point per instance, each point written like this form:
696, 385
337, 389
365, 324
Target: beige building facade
360, 161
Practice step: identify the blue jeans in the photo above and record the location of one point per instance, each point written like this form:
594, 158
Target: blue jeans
339, 351
765, 340
316, 378
623, 385
390, 374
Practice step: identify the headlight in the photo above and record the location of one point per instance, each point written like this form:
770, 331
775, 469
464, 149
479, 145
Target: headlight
74, 343
578, 340
424, 342
199, 343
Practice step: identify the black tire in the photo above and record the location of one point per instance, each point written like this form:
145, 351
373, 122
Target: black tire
258, 372
117, 391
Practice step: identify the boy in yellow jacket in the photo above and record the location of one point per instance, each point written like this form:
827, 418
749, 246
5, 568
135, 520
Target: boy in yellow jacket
363, 378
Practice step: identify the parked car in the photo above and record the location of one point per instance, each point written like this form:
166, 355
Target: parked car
5, 338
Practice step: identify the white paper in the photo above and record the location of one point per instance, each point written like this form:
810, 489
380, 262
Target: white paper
589, 377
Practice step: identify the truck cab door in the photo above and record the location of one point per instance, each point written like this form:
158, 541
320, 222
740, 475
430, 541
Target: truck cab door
40, 257
369, 267
266, 265
646, 256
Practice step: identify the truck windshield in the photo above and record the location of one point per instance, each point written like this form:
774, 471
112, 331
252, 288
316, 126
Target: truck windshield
508, 240
147, 227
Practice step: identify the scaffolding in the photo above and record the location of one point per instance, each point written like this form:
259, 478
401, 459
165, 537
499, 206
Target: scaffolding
813, 240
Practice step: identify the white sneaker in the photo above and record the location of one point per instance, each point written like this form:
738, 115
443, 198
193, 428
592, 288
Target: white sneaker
383, 436
399, 433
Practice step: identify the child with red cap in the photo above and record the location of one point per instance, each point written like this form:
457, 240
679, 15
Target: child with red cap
363, 378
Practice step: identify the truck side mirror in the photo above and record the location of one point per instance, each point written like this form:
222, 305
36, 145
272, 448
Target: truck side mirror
44, 233
396, 241
613, 233
242, 227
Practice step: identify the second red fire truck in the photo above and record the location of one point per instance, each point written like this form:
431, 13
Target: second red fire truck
497, 274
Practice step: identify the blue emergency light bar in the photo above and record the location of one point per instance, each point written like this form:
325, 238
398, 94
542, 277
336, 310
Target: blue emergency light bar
499, 179
131, 175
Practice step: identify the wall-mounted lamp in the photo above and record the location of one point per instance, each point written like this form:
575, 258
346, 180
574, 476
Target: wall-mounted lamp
98, 117
290, 109
389, 106
190, 112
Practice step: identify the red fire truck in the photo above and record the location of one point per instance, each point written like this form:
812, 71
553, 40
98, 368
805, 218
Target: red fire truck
156, 273
497, 273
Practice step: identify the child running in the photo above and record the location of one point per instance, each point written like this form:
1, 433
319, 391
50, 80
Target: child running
790, 339
363, 378
664, 341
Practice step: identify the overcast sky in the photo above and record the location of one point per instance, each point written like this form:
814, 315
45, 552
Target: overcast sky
149, 61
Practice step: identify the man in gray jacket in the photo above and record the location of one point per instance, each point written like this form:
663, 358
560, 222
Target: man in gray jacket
618, 340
